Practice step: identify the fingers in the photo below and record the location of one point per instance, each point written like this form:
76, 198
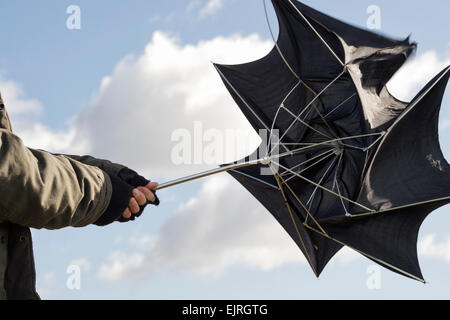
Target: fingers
141, 195
126, 213
149, 196
152, 185
134, 206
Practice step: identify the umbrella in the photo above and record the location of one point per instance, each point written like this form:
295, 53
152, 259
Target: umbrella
345, 163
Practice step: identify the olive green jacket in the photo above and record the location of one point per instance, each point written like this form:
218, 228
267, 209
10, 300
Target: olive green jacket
42, 190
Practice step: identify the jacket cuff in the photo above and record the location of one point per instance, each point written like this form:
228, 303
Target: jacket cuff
121, 194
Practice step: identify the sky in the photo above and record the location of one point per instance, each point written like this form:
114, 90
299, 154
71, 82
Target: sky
134, 77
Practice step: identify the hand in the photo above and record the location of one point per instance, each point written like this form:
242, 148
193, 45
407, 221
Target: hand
141, 195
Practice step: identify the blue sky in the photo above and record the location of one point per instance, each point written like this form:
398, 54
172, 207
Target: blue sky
66, 80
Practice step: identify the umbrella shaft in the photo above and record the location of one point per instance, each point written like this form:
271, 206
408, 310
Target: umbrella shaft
208, 173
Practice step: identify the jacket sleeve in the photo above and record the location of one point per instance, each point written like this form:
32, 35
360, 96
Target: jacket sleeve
42, 190
106, 165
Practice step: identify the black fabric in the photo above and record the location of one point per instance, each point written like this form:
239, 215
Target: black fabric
123, 186
409, 166
389, 239
121, 195
133, 178
404, 167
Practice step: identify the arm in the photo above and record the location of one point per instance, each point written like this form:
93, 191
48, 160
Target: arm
126, 183
42, 190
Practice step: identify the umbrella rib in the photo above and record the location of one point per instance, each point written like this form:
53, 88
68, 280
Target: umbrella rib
292, 152
276, 114
312, 101
324, 120
354, 147
245, 102
281, 53
256, 179
304, 123
311, 198
293, 220
323, 188
309, 167
317, 33
324, 154
337, 185
399, 207
284, 182
380, 261
276, 44
298, 143
365, 149
376, 141
341, 104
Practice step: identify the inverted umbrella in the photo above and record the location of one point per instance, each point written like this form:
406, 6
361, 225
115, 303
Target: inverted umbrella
350, 165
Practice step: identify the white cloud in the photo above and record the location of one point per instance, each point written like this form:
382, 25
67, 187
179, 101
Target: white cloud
38, 136
415, 74
141, 241
25, 118
429, 248
12, 93
121, 266
211, 7
222, 226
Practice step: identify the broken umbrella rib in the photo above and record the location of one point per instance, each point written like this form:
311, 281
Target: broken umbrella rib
245, 103
317, 33
276, 44
310, 103
328, 155
269, 143
340, 105
291, 214
323, 188
319, 183
323, 143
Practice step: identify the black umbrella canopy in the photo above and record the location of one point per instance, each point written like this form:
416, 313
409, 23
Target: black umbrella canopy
350, 165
